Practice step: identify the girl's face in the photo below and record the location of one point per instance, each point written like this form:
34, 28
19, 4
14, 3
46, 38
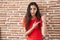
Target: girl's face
33, 10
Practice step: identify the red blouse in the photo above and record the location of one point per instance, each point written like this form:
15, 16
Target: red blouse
36, 34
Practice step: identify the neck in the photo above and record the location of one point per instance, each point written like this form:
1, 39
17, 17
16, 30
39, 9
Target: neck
33, 17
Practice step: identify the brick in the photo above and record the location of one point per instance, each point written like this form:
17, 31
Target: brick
12, 13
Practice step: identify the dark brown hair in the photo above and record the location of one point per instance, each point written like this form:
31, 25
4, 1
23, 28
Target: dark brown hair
28, 14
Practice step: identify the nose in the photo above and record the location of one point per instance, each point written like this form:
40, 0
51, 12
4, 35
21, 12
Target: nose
32, 11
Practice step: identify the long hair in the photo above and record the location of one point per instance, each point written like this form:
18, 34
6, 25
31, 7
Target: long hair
28, 14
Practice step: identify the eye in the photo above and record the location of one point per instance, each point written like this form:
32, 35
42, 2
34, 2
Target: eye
34, 8
30, 8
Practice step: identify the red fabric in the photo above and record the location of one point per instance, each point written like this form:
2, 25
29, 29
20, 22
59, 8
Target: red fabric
36, 33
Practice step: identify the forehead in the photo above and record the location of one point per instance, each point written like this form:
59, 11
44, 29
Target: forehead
32, 6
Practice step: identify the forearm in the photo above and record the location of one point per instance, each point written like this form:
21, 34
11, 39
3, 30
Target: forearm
43, 31
44, 26
29, 31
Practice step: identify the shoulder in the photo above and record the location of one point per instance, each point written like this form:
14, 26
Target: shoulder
24, 21
40, 18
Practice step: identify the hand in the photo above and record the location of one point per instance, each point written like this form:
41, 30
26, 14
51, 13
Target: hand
35, 24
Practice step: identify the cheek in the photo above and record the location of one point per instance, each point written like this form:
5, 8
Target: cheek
33, 12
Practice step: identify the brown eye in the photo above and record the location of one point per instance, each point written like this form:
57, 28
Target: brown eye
34, 8
30, 8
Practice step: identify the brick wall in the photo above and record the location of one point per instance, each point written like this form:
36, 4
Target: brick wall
12, 13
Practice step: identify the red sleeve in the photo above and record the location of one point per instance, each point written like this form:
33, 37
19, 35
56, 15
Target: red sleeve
41, 22
24, 22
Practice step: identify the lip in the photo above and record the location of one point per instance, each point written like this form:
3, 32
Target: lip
33, 13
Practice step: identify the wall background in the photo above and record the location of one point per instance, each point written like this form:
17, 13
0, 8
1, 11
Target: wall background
12, 13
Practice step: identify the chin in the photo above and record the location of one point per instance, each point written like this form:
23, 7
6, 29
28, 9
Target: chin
32, 15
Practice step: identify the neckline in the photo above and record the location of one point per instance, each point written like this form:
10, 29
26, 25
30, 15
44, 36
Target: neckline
33, 19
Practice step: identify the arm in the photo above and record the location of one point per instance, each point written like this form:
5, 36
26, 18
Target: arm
44, 25
29, 31
33, 27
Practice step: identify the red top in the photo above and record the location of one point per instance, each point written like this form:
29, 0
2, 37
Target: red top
36, 34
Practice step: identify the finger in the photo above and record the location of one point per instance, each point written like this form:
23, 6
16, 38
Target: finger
34, 22
38, 22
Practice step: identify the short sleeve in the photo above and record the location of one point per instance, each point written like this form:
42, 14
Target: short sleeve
24, 22
41, 22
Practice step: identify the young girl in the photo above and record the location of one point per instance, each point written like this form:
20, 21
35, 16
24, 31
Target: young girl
33, 22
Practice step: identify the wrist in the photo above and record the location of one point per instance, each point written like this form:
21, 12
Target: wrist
32, 27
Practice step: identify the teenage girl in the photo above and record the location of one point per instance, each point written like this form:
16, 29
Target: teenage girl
33, 22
